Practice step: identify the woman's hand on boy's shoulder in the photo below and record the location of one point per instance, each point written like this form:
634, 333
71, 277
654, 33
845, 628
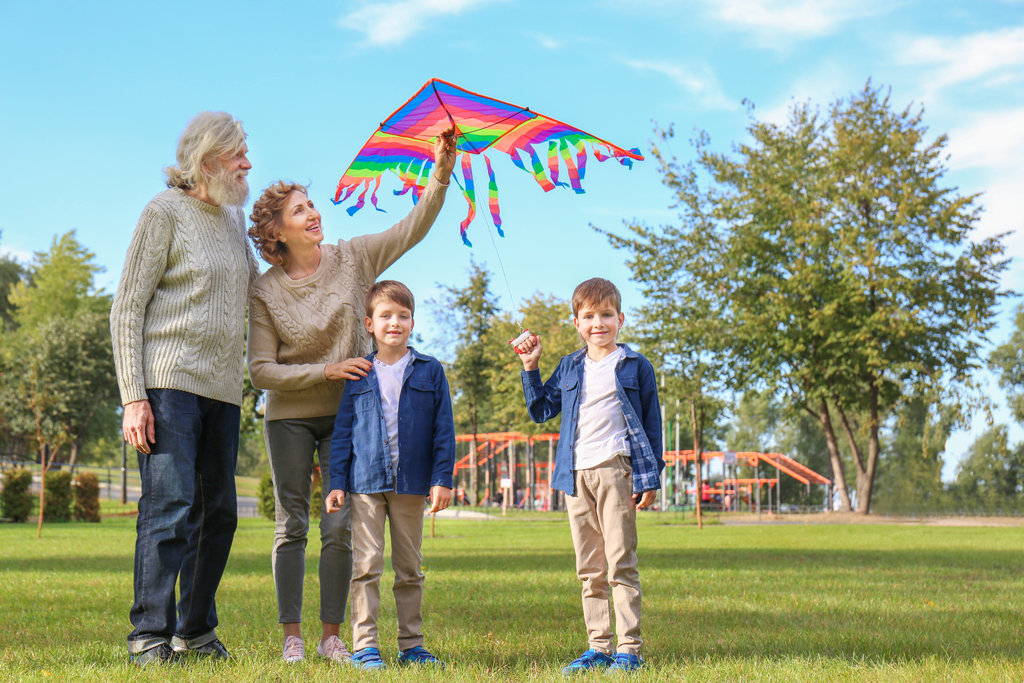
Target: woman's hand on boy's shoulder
529, 351
350, 368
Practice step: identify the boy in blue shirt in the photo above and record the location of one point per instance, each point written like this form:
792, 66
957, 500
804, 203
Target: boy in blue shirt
393, 444
608, 462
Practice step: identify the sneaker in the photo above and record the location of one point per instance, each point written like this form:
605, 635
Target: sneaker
421, 656
161, 654
334, 650
368, 658
294, 649
591, 659
626, 662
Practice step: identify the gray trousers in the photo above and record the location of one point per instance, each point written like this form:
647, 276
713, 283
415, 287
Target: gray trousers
291, 444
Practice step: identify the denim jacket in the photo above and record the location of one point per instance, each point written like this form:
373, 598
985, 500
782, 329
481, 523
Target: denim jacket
360, 455
638, 394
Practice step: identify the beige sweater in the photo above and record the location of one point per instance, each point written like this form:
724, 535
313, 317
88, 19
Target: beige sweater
298, 327
178, 317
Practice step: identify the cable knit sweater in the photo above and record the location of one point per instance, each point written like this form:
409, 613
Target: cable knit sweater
298, 327
178, 317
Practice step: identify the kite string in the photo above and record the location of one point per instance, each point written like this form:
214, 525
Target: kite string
516, 309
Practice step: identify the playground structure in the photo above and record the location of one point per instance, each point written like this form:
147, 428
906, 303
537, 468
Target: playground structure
515, 469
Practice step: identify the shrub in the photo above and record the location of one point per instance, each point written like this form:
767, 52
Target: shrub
87, 497
16, 499
58, 496
316, 495
265, 497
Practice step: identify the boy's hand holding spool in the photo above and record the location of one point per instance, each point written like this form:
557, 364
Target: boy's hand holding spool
528, 347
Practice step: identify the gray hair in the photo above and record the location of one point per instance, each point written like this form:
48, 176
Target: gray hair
209, 135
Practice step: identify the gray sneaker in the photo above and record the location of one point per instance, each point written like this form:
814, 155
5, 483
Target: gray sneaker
161, 654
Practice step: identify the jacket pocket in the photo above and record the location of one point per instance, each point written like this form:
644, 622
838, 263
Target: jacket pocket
362, 397
420, 395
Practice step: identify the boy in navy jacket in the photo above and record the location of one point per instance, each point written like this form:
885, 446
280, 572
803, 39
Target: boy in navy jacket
393, 444
609, 462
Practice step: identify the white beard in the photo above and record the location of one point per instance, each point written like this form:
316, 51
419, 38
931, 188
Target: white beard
226, 190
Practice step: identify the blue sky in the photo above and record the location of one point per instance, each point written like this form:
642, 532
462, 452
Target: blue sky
94, 95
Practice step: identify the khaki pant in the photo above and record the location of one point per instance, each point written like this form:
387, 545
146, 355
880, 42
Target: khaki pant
602, 518
405, 519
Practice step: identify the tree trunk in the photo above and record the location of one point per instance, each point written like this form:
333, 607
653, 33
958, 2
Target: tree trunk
866, 485
833, 453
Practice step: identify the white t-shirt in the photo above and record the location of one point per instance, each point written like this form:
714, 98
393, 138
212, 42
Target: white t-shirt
390, 379
601, 428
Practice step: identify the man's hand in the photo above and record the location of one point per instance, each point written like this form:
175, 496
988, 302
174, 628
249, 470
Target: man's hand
350, 368
139, 425
529, 352
646, 499
334, 500
440, 498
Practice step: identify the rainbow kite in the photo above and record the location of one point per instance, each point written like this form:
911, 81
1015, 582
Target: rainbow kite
404, 144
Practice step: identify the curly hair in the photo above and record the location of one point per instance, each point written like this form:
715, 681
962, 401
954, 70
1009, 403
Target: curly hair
266, 220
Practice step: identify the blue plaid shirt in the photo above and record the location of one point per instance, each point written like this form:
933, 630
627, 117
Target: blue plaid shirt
637, 389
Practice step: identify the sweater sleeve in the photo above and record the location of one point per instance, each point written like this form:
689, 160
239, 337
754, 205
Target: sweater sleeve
382, 249
264, 370
144, 266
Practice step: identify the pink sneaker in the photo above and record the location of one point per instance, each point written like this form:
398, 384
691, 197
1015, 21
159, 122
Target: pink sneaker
294, 649
334, 650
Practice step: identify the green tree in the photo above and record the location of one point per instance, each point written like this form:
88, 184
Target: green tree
468, 313
11, 273
911, 477
681, 325
847, 269
991, 478
1008, 360
56, 366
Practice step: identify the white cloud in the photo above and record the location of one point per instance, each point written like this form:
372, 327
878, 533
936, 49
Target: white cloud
990, 139
994, 57
698, 81
392, 23
547, 42
22, 257
775, 20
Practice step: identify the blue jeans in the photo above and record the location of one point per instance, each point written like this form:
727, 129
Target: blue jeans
187, 519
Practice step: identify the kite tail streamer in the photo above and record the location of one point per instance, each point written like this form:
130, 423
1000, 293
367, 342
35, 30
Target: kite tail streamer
373, 196
570, 167
581, 158
553, 163
361, 200
470, 194
492, 197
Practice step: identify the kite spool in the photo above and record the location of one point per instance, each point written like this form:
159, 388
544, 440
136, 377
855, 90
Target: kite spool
520, 339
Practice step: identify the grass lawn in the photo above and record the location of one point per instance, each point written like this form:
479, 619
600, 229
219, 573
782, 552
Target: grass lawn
782, 602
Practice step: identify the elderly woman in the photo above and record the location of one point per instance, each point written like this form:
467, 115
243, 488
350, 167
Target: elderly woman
177, 323
306, 337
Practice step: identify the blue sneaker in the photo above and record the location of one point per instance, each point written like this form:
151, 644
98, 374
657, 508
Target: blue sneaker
591, 659
626, 662
419, 655
368, 658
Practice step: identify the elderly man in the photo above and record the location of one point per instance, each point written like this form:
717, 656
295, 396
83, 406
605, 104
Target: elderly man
177, 324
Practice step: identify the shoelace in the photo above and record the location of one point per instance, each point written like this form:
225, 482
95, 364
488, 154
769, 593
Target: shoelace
294, 648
